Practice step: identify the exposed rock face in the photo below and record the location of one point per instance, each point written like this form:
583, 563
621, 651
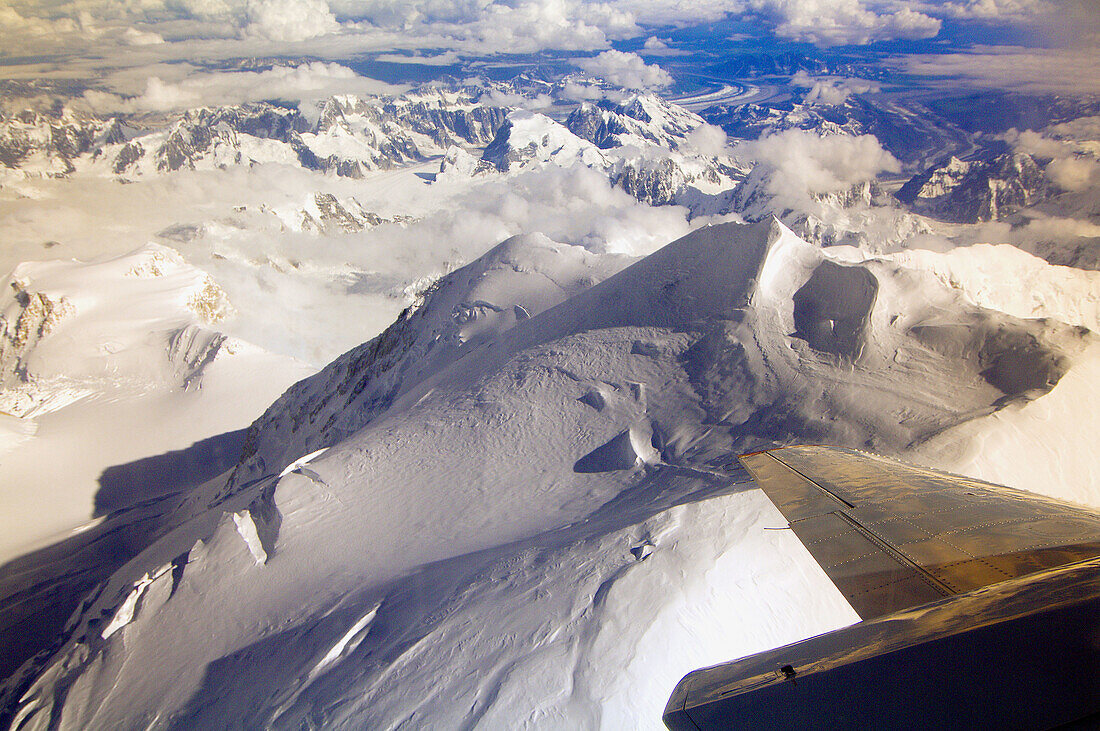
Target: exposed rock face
656, 185
30, 317
973, 191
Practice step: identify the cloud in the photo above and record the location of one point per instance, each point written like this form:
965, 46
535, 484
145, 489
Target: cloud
999, 9
708, 140
13, 25
447, 58
627, 70
1074, 173
289, 20
339, 29
827, 91
498, 98
1012, 67
135, 37
844, 22
1073, 149
303, 83
802, 163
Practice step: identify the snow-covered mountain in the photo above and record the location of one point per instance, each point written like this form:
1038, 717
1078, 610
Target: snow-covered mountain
913, 133
70, 330
350, 135
861, 214
50, 145
640, 120
533, 474
528, 138
643, 144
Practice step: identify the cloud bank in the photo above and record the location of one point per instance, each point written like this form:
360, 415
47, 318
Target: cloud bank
830, 91
1012, 67
477, 27
844, 22
1073, 149
306, 82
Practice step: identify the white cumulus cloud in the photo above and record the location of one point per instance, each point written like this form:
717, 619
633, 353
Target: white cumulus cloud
1073, 149
829, 91
289, 20
803, 162
844, 22
706, 139
625, 69
999, 9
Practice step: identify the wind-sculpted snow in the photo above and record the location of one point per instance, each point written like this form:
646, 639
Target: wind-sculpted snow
502, 509
516, 279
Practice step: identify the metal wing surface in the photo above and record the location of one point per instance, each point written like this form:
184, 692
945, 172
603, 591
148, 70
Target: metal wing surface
893, 536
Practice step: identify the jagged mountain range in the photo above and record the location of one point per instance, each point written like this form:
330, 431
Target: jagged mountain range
350, 136
643, 143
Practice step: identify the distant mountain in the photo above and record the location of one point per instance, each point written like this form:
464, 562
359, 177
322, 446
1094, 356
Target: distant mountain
909, 130
351, 135
756, 65
974, 191
642, 119
643, 143
51, 145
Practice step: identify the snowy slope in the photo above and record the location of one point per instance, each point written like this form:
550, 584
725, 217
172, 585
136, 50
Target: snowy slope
106, 363
498, 517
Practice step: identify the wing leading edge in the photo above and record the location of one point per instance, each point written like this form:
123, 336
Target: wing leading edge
893, 536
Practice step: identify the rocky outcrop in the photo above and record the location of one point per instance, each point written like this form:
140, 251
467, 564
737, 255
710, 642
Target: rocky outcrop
973, 191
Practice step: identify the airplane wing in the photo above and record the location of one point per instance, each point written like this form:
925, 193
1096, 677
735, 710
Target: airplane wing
893, 536
980, 606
